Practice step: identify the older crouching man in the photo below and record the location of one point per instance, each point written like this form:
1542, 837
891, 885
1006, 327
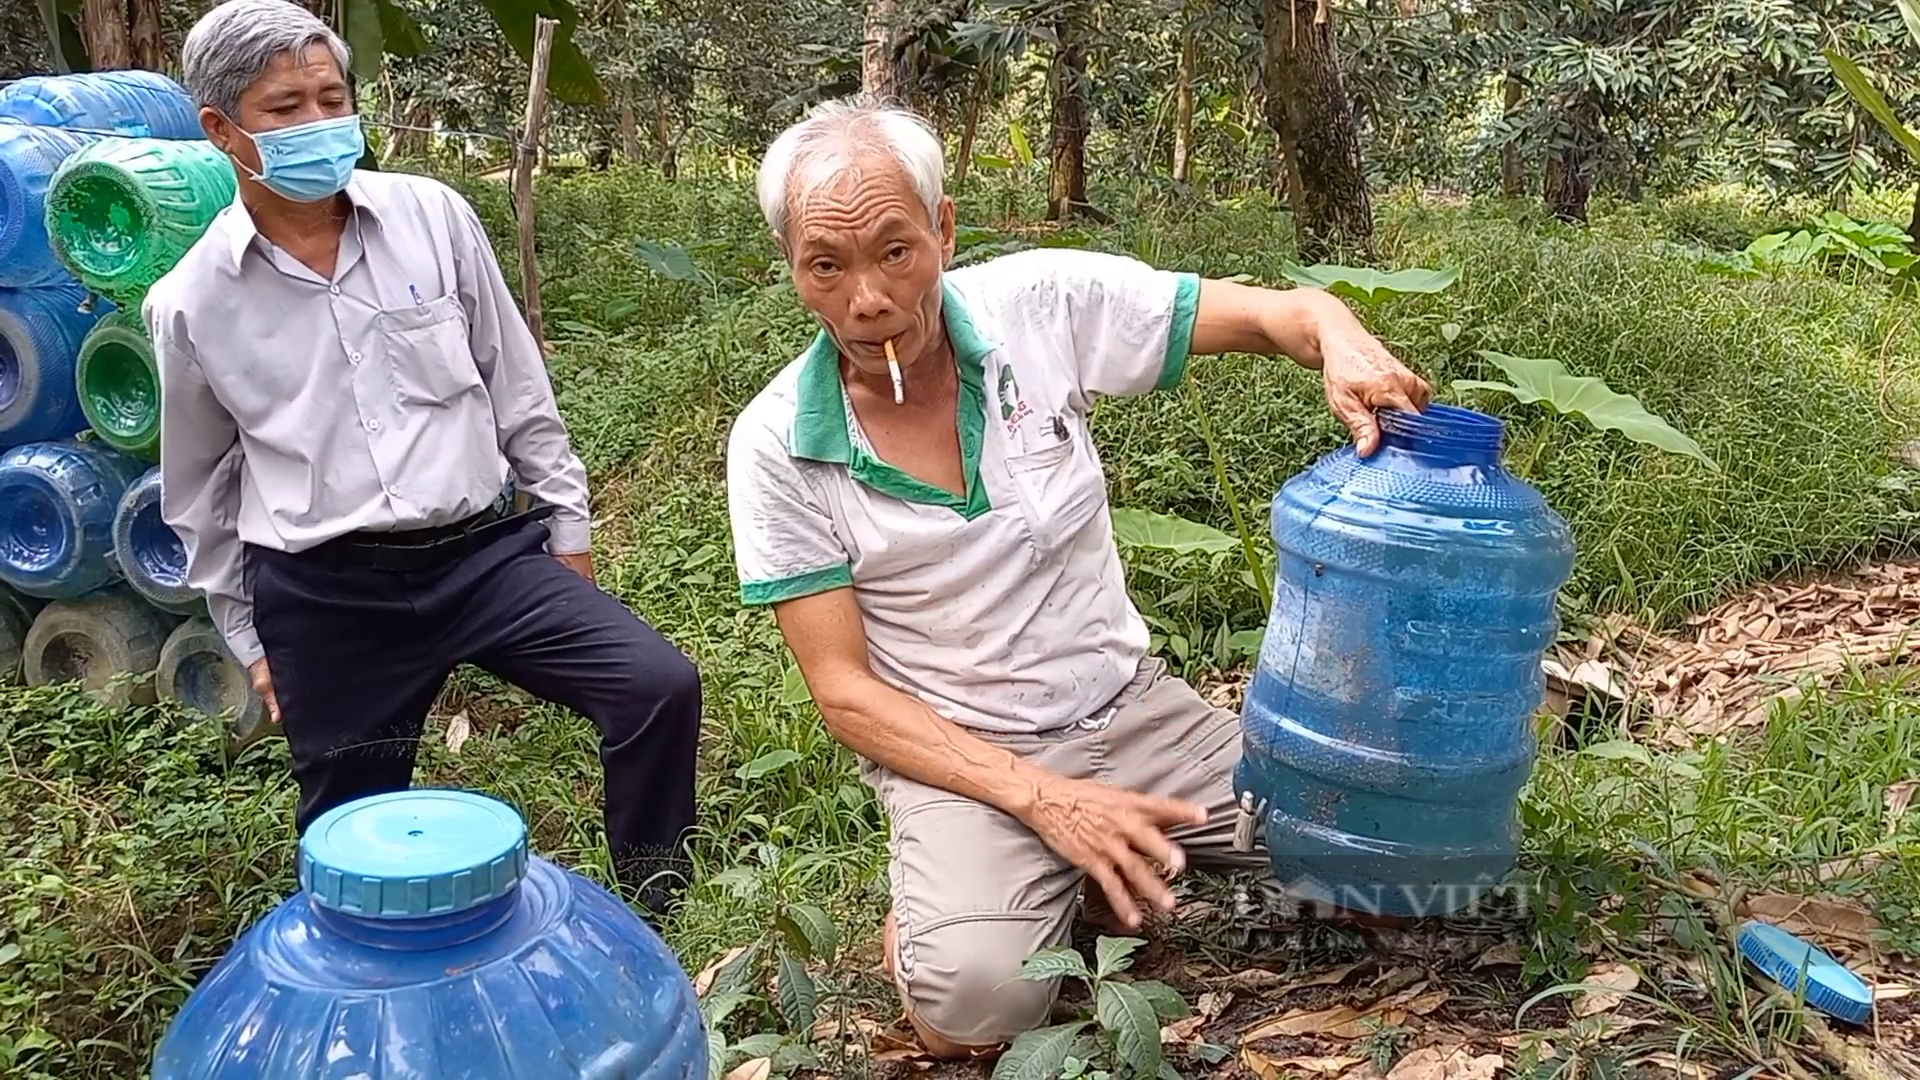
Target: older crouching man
918, 499
346, 387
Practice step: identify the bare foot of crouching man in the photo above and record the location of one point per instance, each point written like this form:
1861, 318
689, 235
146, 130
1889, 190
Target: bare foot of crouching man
917, 498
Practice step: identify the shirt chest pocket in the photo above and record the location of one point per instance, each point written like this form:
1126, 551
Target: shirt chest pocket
1060, 489
429, 357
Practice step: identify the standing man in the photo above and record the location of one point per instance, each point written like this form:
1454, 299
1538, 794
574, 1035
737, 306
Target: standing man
346, 385
919, 501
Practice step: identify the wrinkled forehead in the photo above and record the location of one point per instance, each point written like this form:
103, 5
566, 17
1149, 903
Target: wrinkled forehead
850, 198
310, 67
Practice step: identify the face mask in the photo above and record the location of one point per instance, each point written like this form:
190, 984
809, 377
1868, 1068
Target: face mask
309, 162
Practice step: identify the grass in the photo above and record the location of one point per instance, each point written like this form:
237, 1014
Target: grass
132, 856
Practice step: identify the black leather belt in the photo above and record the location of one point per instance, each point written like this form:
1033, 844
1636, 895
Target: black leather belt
422, 549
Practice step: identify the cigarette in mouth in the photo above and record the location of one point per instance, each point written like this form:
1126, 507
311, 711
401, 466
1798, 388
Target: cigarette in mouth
893, 368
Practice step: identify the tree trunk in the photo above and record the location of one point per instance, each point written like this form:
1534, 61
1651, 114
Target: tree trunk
411, 142
1513, 177
1067, 141
878, 75
663, 134
1308, 109
1574, 161
149, 45
1913, 223
1183, 107
600, 135
629, 123
109, 40
970, 121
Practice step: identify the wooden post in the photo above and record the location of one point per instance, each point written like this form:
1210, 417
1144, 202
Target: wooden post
528, 152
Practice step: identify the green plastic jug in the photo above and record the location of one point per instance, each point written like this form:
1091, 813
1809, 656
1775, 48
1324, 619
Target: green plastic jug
119, 385
122, 212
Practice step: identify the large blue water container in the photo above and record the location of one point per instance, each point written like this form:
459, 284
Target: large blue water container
140, 103
1389, 726
149, 552
57, 502
29, 156
427, 943
41, 331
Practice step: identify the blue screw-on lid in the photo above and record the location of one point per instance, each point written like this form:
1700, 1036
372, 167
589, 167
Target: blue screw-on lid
1831, 988
409, 854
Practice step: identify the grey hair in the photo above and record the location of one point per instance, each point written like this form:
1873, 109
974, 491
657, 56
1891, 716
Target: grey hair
831, 136
234, 44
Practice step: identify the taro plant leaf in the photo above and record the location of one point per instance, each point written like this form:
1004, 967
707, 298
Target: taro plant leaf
799, 997
1862, 90
402, 35
1040, 1054
771, 761
1366, 284
793, 687
1123, 1010
570, 76
1112, 955
670, 261
1166, 1001
366, 37
811, 931
1164, 532
1054, 963
1548, 381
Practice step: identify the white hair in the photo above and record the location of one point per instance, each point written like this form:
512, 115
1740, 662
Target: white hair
234, 44
832, 135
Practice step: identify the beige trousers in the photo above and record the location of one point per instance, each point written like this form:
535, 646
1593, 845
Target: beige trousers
975, 892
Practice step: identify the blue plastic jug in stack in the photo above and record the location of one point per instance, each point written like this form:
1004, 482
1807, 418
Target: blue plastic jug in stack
41, 332
136, 103
1390, 723
29, 156
57, 504
427, 943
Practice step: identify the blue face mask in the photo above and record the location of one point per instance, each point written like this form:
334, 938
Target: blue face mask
310, 162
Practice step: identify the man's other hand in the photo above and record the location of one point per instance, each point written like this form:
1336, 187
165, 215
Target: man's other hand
263, 685
1111, 834
581, 563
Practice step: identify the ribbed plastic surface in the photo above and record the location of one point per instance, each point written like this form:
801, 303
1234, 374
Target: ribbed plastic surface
119, 385
1794, 964
554, 980
137, 103
57, 502
16, 615
122, 212
41, 331
150, 554
411, 854
199, 671
29, 156
1389, 725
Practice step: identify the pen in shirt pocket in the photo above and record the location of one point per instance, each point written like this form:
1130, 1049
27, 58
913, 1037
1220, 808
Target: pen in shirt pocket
414, 291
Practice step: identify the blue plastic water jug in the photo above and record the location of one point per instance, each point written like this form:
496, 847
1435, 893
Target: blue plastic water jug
427, 944
29, 156
138, 103
150, 553
1389, 726
57, 501
41, 331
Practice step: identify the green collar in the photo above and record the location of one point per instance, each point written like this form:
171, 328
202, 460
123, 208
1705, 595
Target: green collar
820, 417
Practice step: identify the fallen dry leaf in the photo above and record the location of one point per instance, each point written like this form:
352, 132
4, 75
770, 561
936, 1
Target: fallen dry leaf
1822, 918
1892, 991
1446, 1063
1252, 979
703, 982
1426, 1003
1267, 1068
1331, 976
459, 730
1338, 1021
1505, 954
752, 1069
1899, 797
1618, 980
1665, 1061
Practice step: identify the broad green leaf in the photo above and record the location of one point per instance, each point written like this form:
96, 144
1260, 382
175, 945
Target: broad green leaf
763, 1045
1112, 955
9, 953
1166, 1001
771, 761
992, 161
1124, 1010
799, 997
812, 930
403, 36
1168, 1072
1038, 1054
1910, 14
1871, 99
1618, 750
670, 261
741, 881
793, 687
1548, 381
366, 38
570, 76
1056, 962
716, 1052
1164, 532
1450, 332
736, 977
716, 1007
1367, 285
1022, 149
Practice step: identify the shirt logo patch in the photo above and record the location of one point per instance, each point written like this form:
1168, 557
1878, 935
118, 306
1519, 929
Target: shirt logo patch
1013, 408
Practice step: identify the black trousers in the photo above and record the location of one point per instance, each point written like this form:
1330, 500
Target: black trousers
359, 654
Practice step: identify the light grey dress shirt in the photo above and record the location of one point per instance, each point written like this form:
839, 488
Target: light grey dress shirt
399, 395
